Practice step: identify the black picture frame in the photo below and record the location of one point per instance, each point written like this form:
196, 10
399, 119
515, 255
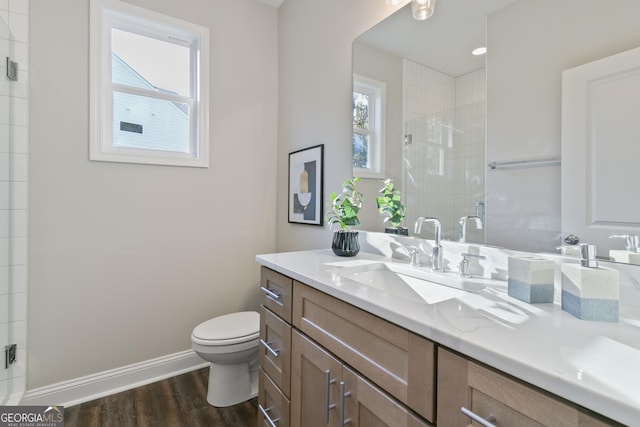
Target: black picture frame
306, 177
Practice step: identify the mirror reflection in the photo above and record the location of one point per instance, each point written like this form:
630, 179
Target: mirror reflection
446, 117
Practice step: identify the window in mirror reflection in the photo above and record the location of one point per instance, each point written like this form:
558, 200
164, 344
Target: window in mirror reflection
368, 127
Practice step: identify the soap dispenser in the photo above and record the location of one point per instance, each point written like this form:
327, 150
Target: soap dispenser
631, 252
590, 292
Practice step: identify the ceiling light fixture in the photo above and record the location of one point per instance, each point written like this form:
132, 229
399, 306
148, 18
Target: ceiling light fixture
394, 2
479, 51
423, 9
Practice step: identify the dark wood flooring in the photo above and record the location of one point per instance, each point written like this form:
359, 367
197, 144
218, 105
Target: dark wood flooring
174, 402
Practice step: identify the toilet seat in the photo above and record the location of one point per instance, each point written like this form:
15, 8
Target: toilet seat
228, 329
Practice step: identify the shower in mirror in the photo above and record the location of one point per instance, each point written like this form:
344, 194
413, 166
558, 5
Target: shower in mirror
6, 338
441, 107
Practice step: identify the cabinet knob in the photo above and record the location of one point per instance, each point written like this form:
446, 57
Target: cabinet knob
270, 294
265, 414
486, 422
327, 388
343, 394
271, 350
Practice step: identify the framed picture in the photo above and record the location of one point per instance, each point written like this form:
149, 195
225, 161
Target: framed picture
305, 185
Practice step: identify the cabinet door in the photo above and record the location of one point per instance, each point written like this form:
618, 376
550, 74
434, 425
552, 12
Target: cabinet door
273, 406
315, 375
365, 405
275, 349
452, 389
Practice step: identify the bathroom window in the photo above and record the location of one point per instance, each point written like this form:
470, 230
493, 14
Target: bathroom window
368, 127
149, 87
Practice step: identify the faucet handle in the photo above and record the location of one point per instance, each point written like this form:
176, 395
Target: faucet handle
465, 263
632, 242
415, 253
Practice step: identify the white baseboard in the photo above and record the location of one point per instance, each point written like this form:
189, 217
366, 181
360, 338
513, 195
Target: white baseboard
84, 389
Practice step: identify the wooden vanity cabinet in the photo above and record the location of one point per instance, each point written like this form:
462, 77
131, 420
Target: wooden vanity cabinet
310, 340
326, 392
324, 362
500, 399
274, 388
399, 362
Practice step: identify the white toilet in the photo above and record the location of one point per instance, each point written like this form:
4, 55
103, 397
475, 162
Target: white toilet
230, 343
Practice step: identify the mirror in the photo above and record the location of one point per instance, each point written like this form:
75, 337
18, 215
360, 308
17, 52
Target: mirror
438, 156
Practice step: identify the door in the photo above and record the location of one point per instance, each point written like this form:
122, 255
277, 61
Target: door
5, 163
601, 150
365, 405
315, 378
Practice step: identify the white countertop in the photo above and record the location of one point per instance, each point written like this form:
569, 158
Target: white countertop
594, 364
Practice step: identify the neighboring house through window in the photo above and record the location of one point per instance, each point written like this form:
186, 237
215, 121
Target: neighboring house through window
149, 87
368, 127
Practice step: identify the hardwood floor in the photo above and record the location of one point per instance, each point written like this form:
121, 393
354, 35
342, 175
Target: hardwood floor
174, 402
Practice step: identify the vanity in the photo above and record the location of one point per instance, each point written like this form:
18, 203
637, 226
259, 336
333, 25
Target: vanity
355, 341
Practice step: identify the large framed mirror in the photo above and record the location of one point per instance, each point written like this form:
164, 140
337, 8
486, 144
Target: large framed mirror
450, 114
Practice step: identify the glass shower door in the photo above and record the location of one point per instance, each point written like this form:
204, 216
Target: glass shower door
5, 206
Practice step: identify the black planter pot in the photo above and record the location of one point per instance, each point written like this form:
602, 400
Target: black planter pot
403, 231
345, 243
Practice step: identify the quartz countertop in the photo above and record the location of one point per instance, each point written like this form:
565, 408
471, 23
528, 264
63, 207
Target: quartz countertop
593, 364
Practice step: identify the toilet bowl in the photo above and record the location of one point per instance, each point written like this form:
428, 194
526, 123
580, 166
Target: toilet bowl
230, 343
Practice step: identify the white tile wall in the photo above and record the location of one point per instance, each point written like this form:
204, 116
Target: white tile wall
13, 277
444, 164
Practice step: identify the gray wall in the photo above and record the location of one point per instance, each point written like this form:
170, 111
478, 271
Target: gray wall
124, 260
314, 96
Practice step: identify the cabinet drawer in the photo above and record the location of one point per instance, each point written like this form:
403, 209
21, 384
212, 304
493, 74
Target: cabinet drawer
272, 403
275, 292
488, 393
514, 403
398, 361
275, 350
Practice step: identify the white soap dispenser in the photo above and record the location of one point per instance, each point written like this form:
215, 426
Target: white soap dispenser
590, 292
631, 252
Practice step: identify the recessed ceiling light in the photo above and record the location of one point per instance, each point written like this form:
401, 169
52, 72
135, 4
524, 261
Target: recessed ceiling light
479, 51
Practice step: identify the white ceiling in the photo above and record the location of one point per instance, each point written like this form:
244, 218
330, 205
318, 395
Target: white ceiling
274, 3
444, 42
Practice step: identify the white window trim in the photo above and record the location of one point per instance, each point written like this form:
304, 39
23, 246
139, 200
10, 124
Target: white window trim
377, 139
101, 87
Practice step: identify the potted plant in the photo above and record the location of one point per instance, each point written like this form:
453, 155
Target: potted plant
389, 204
344, 212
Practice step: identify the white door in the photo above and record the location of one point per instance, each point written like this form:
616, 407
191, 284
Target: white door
601, 150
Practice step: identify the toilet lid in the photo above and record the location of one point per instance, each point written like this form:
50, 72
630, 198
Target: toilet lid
234, 326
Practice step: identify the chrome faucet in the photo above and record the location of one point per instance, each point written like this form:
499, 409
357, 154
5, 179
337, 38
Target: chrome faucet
463, 226
436, 252
465, 264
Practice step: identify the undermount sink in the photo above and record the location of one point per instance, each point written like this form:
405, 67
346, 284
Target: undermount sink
388, 274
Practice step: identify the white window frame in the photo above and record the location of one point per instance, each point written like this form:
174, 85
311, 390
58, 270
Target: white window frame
377, 92
108, 14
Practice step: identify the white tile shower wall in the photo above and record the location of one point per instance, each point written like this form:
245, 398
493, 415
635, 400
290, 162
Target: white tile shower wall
16, 14
444, 164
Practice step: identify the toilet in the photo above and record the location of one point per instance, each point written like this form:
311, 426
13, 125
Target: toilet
230, 343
